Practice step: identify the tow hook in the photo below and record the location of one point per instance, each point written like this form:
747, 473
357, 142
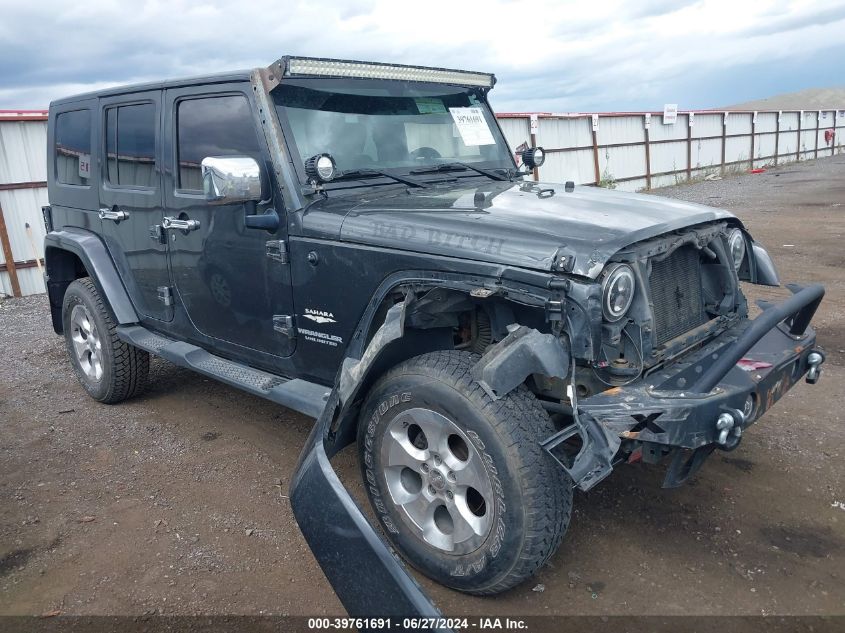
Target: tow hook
814, 362
729, 425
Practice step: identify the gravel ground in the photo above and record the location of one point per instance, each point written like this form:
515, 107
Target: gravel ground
176, 501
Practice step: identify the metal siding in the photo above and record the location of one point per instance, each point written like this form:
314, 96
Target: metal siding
31, 281
23, 151
632, 185
787, 146
668, 143
738, 148
766, 122
667, 181
621, 129
788, 121
668, 156
621, 162
807, 144
826, 122
663, 132
23, 159
562, 166
565, 132
764, 146
739, 123
516, 131
706, 152
707, 125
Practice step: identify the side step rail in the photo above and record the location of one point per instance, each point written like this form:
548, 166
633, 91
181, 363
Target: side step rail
305, 397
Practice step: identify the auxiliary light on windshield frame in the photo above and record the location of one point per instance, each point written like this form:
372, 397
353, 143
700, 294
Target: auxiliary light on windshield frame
318, 67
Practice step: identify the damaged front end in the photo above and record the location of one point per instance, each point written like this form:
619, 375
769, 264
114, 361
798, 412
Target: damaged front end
639, 388
701, 402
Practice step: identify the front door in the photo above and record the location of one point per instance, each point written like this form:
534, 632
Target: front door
131, 198
228, 285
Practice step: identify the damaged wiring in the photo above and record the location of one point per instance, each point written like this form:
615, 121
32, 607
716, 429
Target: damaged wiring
607, 360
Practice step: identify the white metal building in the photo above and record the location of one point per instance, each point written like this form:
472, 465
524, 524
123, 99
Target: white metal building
23, 191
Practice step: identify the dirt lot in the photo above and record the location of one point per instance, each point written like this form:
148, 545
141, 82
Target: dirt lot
176, 502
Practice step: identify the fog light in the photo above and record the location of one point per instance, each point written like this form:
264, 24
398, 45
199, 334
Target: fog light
534, 157
320, 168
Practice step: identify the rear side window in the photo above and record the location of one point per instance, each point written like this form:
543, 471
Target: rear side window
130, 145
73, 147
212, 126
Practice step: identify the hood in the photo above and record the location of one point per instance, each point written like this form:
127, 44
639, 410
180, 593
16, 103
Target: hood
517, 223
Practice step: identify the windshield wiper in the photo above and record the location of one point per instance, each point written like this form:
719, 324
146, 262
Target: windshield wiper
455, 166
371, 173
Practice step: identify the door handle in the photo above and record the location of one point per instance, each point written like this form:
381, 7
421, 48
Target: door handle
182, 225
109, 214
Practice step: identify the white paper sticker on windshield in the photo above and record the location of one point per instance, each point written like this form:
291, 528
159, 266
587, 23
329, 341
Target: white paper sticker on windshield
430, 105
472, 126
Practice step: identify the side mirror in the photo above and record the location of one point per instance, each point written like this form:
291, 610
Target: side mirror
231, 179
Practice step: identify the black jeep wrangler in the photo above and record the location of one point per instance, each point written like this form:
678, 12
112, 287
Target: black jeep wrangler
355, 241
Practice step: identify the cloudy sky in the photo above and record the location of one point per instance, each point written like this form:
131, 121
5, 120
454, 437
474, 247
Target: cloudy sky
553, 56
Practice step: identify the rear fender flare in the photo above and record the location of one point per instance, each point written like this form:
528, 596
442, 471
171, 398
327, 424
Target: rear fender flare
60, 271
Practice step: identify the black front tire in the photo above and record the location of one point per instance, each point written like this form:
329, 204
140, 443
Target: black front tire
531, 495
108, 368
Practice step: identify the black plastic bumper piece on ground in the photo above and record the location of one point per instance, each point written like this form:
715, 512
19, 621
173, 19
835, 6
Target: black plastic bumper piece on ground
365, 574
801, 307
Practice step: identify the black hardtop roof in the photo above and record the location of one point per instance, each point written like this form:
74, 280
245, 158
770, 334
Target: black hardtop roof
235, 75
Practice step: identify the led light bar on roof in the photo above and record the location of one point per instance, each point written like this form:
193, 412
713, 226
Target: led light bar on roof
366, 70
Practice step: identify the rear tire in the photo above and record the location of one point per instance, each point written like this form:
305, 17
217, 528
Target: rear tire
108, 368
458, 480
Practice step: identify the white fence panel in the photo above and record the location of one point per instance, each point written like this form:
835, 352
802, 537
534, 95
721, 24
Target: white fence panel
667, 157
516, 130
562, 166
23, 151
660, 131
764, 150
621, 129
707, 124
766, 122
565, 132
706, 152
23, 172
627, 161
738, 123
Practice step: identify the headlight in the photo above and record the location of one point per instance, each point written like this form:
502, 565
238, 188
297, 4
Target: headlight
736, 242
617, 291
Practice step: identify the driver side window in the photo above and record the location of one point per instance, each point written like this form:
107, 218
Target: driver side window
212, 126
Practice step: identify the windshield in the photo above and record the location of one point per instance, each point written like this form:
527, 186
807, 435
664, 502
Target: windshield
382, 125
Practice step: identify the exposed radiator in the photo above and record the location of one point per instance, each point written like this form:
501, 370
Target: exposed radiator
676, 294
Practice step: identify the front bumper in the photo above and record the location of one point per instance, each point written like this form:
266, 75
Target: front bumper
701, 402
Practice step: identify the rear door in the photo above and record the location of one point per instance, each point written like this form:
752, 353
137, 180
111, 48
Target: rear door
232, 291
131, 198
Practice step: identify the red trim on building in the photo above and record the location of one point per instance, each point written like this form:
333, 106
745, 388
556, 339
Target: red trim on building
23, 115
